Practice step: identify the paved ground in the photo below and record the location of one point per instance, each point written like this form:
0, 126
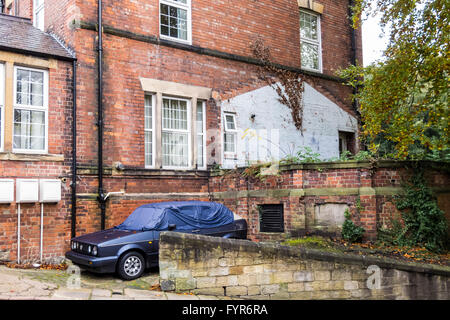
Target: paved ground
19, 284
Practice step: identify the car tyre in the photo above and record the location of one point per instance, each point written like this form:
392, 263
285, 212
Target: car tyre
131, 265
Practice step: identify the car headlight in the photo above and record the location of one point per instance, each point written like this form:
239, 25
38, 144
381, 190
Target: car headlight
94, 250
74, 245
89, 249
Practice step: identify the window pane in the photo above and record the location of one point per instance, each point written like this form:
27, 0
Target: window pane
36, 77
200, 136
173, 22
30, 87
36, 100
200, 117
174, 33
229, 142
310, 56
175, 149
230, 122
148, 113
164, 9
308, 26
165, 30
148, 131
29, 130
148, 148
200, 151
164, 20
175, 114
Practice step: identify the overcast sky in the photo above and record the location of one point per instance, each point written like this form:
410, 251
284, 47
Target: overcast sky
373, 45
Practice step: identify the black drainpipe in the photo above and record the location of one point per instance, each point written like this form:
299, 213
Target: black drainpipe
352, 33
101, 195
74, 149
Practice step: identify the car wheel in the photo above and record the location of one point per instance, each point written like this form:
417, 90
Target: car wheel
131, 266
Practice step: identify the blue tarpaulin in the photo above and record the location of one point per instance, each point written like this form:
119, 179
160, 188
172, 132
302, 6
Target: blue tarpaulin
184, 214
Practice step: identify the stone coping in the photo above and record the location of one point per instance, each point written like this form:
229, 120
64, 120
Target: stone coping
275, 250
351, 164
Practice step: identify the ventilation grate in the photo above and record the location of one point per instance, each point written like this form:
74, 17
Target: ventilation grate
271, 218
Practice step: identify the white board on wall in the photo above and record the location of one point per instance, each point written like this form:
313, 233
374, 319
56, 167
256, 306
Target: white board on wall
27, 190
6, 190
49, 190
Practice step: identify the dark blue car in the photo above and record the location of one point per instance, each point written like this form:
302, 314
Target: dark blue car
133, 245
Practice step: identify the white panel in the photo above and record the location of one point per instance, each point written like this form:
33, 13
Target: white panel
27, 190
6, 190
50, 190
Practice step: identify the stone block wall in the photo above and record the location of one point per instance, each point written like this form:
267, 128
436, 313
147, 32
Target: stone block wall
244, 269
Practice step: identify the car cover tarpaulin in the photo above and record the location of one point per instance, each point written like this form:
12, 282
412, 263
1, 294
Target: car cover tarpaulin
184, 214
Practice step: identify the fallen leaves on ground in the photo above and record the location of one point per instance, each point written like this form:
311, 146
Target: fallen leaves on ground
411, 254
61, 266
155, 287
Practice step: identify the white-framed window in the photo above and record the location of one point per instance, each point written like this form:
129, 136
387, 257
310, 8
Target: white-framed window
201, 134
38, 14
176, 133
2, 106
149, 130
175, 20
310, 41
30, 127
230, 134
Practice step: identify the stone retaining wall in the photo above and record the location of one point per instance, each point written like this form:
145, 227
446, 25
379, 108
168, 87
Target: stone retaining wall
241, 268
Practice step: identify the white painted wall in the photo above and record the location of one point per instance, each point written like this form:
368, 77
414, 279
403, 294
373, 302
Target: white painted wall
272, 135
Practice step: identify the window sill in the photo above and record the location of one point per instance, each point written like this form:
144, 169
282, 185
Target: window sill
13, 156
313, 71
171, 39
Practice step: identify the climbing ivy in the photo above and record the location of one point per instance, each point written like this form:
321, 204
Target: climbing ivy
350, 231
422, 222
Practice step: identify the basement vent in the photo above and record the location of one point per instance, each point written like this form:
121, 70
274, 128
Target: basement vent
271, 218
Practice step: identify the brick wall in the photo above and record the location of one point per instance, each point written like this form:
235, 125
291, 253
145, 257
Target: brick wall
367, 193
227, 27
244, 269
56, 165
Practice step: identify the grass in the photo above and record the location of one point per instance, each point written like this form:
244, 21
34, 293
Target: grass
378, 249
313, 242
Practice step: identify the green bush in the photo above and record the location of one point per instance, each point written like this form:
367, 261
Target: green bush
424, 223
350, 231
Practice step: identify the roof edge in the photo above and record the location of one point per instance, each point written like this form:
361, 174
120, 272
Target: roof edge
15, 18
36, 54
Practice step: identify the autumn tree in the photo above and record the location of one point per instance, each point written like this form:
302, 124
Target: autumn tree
403, 98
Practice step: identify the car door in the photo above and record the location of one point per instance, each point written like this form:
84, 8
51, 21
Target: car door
152, 253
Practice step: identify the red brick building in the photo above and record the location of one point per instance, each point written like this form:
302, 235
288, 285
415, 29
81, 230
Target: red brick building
170, 88
35, 141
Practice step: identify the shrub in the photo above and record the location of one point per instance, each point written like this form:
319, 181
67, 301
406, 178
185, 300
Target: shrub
350, 231
424, 223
